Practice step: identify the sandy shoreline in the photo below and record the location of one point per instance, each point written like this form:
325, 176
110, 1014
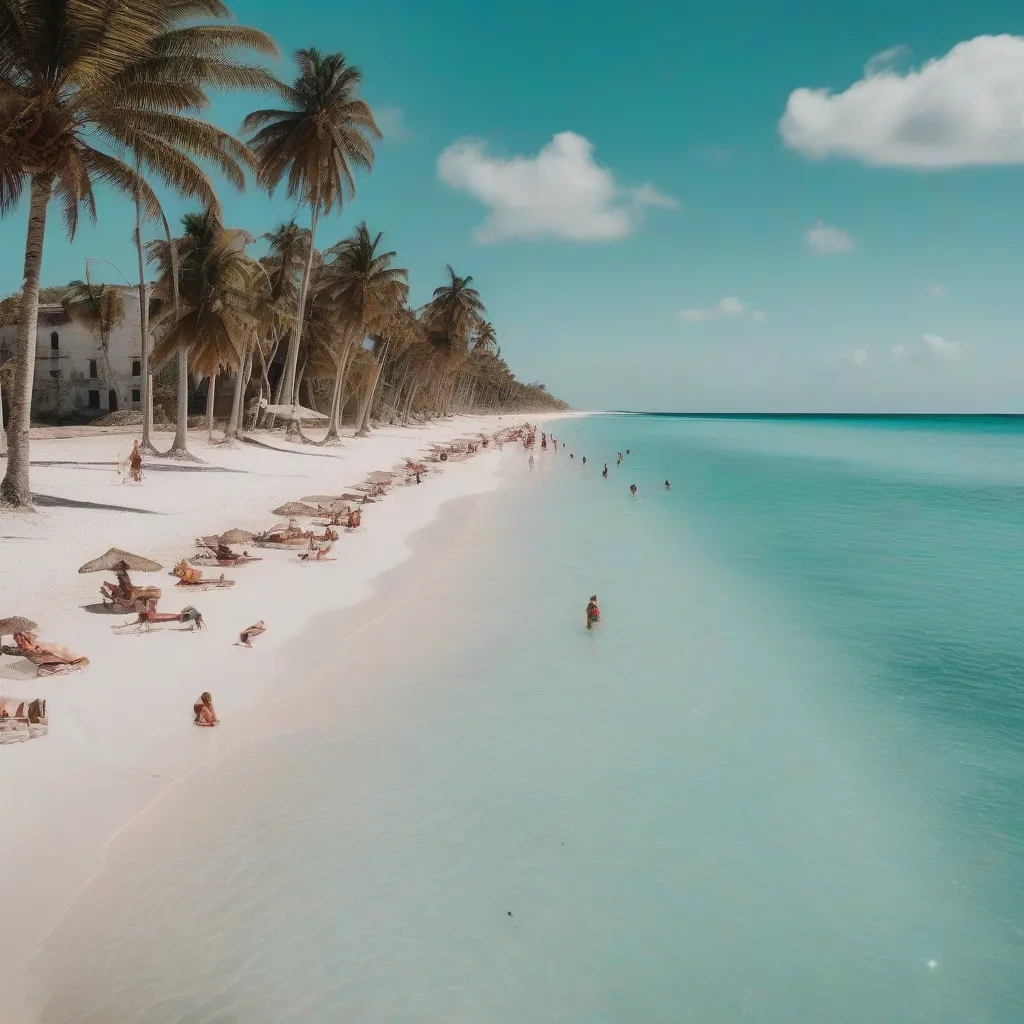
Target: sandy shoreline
120, 732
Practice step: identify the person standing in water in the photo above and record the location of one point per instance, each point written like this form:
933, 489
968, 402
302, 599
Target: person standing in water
584, 460
619, 463
593, 612
604, 472
668, 486
632, 490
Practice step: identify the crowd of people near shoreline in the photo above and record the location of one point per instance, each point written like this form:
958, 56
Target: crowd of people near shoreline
593, 613
23, 718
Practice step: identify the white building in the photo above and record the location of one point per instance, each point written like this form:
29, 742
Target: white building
76, 373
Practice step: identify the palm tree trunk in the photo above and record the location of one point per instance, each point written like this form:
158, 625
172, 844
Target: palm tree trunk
334, 422
15, 488
179, 446
209, 406
234, 424
147, 374
291, 365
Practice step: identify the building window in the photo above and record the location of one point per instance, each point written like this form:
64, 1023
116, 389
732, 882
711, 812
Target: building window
136, 394
54, 341
136, 367
93, 371
53, 374
94, 399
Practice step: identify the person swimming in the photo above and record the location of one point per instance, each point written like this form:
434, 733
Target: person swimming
627, 451
593, 612
604, 472
632, 490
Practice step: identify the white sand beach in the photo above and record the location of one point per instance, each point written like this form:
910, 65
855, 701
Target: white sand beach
121, 731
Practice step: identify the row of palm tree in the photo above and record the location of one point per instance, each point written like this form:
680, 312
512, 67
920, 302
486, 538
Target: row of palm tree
115, 94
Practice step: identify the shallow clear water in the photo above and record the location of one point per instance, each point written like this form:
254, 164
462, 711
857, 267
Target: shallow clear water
783, 781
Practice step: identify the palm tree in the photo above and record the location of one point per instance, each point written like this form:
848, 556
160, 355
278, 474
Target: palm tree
451, 317
213, 319
288, 252
366, 290
99, 308
316, 142
453, 313
485, 339
87, 88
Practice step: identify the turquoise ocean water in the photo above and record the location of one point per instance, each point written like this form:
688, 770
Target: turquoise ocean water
783, 781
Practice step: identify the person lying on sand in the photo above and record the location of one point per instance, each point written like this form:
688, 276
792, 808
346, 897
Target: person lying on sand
245, 637
203, 708
593, 612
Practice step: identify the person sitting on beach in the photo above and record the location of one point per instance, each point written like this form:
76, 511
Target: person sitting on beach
245, 637
632, 490
668, 486
203, 708
593, 612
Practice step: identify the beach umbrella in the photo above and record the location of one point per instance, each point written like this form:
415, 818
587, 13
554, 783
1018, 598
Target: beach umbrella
16, 624
236, 536
119, 559
295, 508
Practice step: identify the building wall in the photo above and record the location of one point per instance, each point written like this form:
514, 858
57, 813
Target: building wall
75, 373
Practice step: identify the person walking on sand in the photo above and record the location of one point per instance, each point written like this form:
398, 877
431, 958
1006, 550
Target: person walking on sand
531, 463
632, 490
593, 612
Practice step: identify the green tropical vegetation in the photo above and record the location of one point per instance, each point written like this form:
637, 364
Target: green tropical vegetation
116, 95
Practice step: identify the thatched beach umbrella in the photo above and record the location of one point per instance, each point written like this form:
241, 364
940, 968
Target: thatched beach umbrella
236, 536
16, 624
295, 508
119, 560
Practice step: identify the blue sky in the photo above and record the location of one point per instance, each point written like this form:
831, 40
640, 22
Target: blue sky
661, 213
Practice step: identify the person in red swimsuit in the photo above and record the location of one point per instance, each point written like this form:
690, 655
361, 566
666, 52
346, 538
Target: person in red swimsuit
593, 612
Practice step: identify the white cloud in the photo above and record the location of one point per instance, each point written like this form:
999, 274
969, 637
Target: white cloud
962, 109
560, 192
938, 290
940, 348
898, 353
730, 306
885, 61
826, 240
857, 356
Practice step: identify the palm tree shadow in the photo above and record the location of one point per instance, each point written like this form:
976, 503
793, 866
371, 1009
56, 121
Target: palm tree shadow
52, 501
